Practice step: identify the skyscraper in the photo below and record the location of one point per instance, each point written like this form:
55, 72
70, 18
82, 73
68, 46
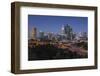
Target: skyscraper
34, 33
67, 31
41, 34
50, 35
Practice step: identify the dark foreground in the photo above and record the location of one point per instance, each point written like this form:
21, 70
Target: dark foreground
50, 52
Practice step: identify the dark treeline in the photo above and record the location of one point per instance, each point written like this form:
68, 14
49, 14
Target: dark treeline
49, 52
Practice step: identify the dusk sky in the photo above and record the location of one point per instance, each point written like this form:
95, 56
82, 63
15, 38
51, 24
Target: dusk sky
55, 23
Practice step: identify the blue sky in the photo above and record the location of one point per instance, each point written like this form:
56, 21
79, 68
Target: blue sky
54, 23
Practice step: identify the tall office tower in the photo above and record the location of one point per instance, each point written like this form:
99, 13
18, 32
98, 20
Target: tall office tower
68, 31
50, 35
41, 34
34, 33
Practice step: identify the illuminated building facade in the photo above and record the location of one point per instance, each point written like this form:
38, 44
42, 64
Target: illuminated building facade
34, 33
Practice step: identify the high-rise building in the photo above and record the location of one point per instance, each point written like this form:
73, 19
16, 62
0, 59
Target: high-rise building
67, 31
50, 35
41, 34
62, 30
34, 33
82, 36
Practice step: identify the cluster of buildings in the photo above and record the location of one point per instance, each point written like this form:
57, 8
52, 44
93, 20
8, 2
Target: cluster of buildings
66, 35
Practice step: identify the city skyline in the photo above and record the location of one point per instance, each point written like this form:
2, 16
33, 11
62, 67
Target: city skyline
55, 23
57, 37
